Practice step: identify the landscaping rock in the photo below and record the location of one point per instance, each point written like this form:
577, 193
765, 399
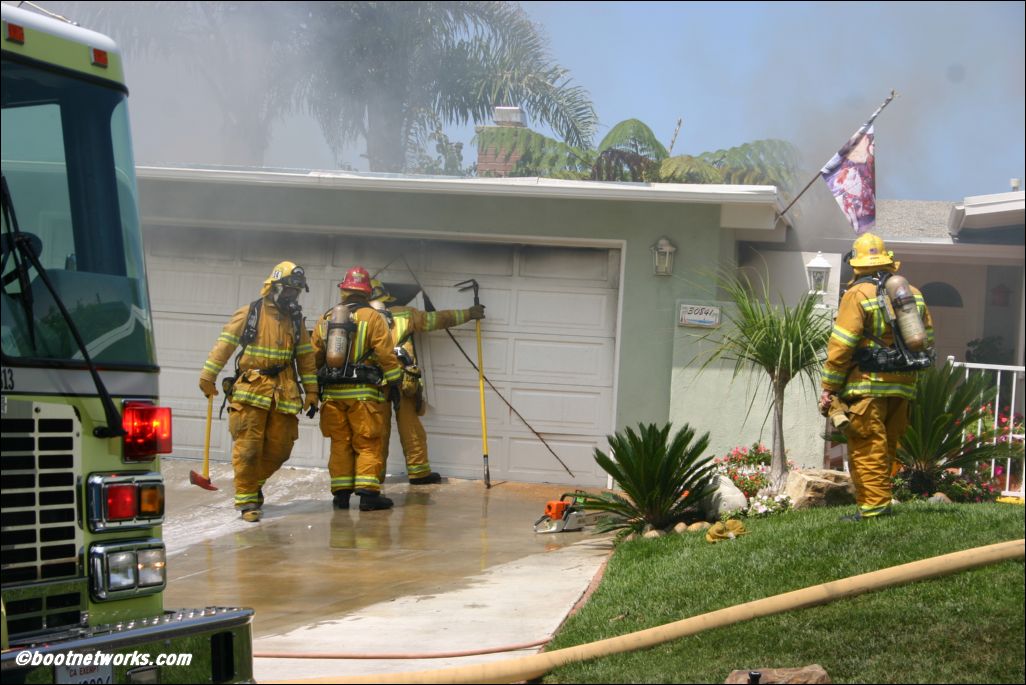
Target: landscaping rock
726, 497
809, 488
654, 533
806, 674
680, 528
699, 527
939, 498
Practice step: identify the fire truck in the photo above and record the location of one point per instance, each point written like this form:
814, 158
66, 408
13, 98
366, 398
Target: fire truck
83, 568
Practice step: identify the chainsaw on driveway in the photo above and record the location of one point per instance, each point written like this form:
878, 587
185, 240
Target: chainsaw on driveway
562, 515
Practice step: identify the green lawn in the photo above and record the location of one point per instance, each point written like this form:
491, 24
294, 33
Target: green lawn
963, 628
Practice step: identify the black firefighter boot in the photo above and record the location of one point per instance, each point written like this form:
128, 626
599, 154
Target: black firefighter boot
340, 499
371, 500
429, 479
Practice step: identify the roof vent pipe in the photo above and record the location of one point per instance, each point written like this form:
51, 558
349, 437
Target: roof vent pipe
1016, 184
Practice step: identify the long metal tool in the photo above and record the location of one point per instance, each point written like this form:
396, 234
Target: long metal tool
498, 393
195, 478
467, 285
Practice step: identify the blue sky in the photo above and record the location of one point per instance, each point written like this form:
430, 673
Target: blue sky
811, 73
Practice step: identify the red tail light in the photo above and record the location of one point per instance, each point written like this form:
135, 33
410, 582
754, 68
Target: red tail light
122, 502
147, 431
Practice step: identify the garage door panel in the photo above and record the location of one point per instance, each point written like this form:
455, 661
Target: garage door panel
189, 433
181, 243
586, 313
185, 342
563, 409
531, 461
348, 251
460, 405
472, 260
548, 340
498, 302
310, 448
269, 248
459, 455
550, 360
193, 292
447, 362
585, 265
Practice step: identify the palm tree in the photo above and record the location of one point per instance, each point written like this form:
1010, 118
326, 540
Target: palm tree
783, 342
632, 152
391, 73
663, 479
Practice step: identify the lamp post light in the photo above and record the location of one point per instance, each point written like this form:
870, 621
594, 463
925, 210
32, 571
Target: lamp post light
818, 271
663, 252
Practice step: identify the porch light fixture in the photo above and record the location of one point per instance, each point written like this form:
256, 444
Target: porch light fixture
663, 253
818, 270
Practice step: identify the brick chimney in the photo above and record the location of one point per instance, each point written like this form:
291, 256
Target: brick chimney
493, 162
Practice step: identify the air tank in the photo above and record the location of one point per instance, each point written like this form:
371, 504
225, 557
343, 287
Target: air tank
337, 345
910, 324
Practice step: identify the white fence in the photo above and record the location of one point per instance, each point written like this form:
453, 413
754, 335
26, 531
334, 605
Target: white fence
1010, 380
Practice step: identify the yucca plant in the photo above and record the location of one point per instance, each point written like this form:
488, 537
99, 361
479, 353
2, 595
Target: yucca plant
783, 342
943, 428
662, 479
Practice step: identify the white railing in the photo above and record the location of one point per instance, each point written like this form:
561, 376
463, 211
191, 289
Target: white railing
1010, 472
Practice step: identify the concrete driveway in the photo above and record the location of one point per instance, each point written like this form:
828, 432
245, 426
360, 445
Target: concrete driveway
453, 567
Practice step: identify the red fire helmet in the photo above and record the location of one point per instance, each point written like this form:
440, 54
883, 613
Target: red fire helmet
357, 279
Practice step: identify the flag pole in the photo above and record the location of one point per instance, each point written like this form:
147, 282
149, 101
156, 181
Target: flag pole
852, 142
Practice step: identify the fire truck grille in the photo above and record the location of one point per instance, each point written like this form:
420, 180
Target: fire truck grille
39, 531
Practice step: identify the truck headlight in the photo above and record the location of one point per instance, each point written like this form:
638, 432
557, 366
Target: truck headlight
121, 570
127, 568
151, 567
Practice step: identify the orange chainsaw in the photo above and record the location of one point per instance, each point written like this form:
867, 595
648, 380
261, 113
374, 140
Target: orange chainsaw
562, 515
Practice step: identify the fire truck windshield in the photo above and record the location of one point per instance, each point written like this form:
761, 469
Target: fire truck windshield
67, 161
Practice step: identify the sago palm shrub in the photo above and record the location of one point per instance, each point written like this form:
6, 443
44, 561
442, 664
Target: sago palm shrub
943, 431
662, 478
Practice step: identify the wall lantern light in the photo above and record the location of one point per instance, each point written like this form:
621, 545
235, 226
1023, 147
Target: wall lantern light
818, 271
663, 252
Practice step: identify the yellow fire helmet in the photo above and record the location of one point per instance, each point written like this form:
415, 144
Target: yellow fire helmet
379, 292
869, 250
286, 273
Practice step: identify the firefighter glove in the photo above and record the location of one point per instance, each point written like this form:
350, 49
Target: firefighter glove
310, 406
208, 387
477, 311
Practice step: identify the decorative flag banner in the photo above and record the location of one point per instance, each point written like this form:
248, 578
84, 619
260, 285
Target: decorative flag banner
851, 176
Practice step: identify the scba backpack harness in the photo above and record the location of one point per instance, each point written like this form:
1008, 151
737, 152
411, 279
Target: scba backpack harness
341, 331
897, 357
249, 334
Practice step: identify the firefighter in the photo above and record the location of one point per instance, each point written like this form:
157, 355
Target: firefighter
405, 322
263, 395
867, 369
354, 412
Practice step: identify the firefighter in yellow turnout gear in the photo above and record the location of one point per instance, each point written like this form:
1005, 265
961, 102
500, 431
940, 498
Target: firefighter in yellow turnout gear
264, 397
405, 322
876, 386
355, 391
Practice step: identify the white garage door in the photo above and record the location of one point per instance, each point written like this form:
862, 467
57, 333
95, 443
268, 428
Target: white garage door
549, 340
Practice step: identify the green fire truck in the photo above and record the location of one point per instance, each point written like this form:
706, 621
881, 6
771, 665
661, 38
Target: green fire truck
83, 567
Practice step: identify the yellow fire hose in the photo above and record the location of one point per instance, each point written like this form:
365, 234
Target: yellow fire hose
536, 665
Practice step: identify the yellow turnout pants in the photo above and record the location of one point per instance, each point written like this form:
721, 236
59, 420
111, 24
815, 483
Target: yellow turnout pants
412, 436
877, 423
357, 429
263, 440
